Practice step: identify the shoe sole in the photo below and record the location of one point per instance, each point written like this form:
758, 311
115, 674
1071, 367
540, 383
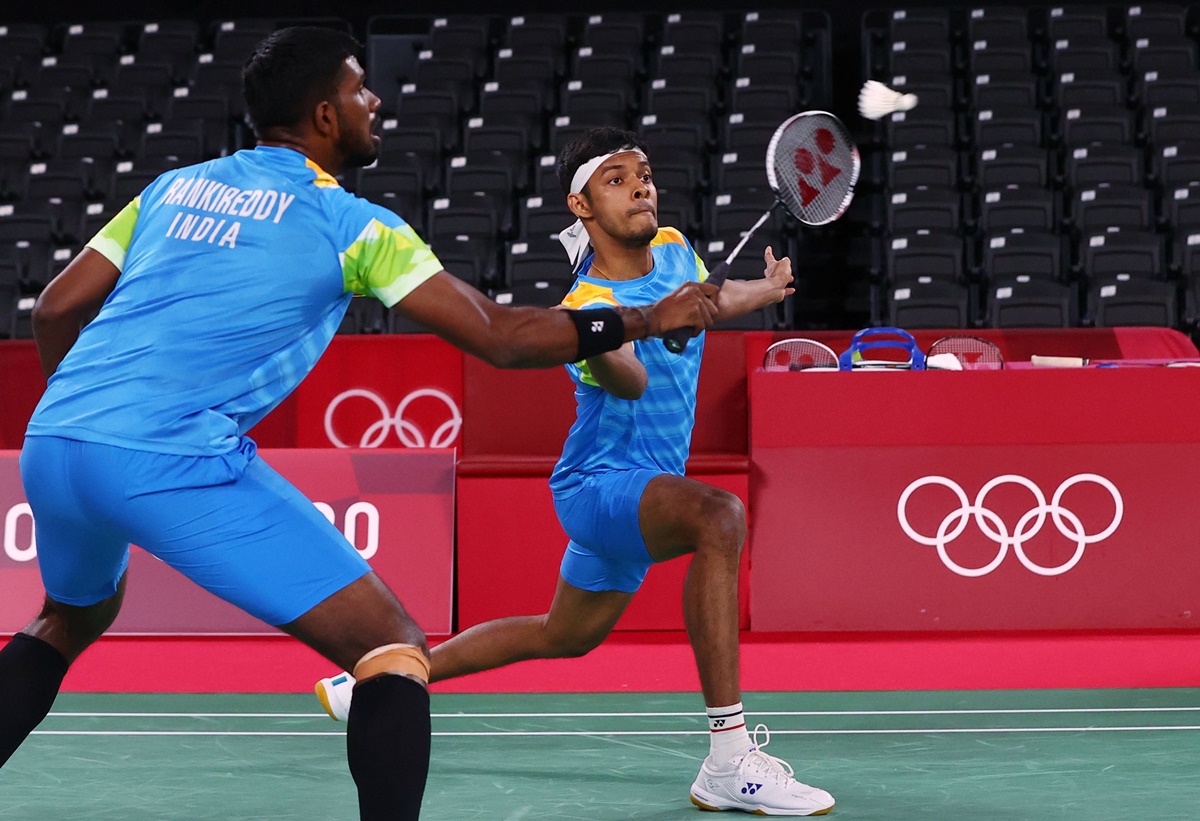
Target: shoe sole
758, 811
323, 697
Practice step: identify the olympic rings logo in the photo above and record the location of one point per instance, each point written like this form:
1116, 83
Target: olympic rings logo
409, 434
1028, 526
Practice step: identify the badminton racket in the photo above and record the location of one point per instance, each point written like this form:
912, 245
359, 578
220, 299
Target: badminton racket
973, 353
799, 355
812, 166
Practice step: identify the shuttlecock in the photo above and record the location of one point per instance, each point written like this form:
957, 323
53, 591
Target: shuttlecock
876, 100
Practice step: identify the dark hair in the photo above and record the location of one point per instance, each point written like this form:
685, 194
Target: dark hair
291, 71
594, 142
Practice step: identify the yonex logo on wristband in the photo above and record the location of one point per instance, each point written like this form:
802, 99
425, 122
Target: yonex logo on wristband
597, 327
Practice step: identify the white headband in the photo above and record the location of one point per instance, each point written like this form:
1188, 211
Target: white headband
584, 172
575, 238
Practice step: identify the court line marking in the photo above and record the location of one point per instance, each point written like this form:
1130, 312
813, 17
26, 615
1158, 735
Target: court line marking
799, 713
585, 734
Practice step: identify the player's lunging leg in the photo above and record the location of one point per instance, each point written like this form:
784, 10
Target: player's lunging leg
679, 516
577, 622
33, 664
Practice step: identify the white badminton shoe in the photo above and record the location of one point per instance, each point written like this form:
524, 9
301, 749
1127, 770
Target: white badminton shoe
757, 783
334, 695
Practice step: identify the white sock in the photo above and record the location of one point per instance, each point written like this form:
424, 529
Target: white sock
727, 733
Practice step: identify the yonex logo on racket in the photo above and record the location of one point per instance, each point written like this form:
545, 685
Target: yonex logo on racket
406, 431
955, 522
806, 163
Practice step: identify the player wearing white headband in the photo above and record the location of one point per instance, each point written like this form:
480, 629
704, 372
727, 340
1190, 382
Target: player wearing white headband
619, 488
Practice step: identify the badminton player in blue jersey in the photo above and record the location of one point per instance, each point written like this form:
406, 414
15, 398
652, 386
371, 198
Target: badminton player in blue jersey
619, 488
217, 290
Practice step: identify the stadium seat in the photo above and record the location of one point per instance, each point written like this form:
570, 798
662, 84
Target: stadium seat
1018, 209
923, 211
936, 256
1011, 92
516, 70
933, 167
681, 70
1137, 254
1089, 166
1026, 302
929, 303
1108, 207
1009, 165
400, 190
1126, 301
1038, 255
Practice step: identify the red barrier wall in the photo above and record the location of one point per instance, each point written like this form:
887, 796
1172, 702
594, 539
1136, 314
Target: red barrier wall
412, 389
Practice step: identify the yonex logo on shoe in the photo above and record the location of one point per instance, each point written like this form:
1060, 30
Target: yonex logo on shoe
597, 327
751, 789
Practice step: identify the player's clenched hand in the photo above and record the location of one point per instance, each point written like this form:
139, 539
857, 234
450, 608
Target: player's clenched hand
779, 274
691, 305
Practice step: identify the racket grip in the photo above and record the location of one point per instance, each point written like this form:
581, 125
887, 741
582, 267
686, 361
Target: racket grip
676, 341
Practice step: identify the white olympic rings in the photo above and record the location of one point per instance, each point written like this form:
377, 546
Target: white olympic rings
409, 434
1028, 526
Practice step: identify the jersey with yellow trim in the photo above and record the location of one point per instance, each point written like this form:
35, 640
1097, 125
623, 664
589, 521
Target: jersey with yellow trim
235, 274
655, 431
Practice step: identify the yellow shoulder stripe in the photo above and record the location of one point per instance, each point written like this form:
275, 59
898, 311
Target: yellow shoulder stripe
589, 294
323, 179
667, 236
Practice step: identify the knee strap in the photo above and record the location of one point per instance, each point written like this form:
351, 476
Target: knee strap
393, 659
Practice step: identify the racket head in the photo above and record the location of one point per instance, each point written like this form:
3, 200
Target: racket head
799, 355
973, 353
813, 166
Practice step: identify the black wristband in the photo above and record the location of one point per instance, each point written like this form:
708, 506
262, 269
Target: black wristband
600, 330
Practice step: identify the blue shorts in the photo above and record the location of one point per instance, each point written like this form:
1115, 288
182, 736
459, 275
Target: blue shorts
229, 523
606, 551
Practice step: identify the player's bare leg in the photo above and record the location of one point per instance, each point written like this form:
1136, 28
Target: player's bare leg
33, 663
364, 628
680, 516
577, 622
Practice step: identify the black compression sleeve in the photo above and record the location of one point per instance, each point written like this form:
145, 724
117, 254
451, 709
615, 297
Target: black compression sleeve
600, 330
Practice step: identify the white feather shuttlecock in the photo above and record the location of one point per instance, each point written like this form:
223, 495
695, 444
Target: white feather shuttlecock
875, 100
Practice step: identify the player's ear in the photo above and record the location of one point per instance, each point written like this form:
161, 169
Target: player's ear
325, 119
579, 205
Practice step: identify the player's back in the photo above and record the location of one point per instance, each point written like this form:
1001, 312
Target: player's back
231, 288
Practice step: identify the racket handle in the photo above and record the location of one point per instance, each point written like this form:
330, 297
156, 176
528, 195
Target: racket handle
676, 341
1057, 361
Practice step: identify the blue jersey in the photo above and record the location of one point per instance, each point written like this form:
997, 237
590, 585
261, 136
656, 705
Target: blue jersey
235, 274
655, 431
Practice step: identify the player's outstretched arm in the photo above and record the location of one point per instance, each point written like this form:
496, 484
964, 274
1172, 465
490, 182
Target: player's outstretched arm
541, 337
740, 297
71, 298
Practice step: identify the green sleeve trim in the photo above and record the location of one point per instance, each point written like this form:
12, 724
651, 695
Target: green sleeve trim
112, 241
701, 269
585, 374
388, 263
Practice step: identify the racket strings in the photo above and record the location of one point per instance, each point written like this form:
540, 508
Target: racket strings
814, 167
972, 352
799, 355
